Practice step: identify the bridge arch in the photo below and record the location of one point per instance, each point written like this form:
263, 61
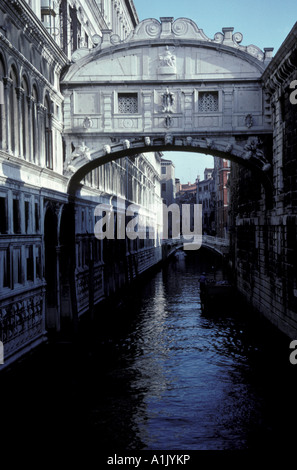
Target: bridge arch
250, 155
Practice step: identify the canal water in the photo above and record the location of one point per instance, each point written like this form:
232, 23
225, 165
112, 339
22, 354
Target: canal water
155, 372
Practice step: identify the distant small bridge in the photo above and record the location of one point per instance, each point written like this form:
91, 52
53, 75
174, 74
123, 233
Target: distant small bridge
215, 244
218, 245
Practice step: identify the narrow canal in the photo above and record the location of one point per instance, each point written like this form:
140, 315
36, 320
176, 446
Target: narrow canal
156, 372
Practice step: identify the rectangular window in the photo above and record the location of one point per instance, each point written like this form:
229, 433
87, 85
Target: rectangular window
27, 216
163, 170
208, 101
3, 215
127, 103
4, 267
17, 266
38, 262
16, 216
29, 263
36, 214
163, 187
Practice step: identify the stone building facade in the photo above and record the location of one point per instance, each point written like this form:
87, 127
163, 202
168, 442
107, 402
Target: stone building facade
263, 223
38, 227
206, 195
221, 176
168, 188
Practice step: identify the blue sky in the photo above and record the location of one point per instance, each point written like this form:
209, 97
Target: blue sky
264, 23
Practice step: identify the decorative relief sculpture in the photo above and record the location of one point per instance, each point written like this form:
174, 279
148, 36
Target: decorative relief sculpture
253, 151
21, 322
167, 101
167, 62
106, 149
209, 143
186, 28
88, 123
168, 139
126, 144
248, 120
168, 122
181, 28
80, 155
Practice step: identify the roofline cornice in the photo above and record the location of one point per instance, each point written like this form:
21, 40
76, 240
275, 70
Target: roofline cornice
34, 26
281, 66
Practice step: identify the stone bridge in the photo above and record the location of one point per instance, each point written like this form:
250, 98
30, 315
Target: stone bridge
167, 87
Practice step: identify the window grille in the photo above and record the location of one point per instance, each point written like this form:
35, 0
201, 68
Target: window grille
208, 101
128, 103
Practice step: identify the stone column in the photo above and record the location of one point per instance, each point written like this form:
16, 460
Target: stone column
166, 23
20, 94
107, 111
41, 135
7, 85
30, 131
147, 110
188, 109
228, 108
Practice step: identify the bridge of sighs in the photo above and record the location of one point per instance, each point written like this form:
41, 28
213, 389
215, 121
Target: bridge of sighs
167, 86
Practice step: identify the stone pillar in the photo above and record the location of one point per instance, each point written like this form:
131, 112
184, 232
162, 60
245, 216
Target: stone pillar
20, 95
147, 110
7, 85
188, 109
41, 135
106, 37
228, 108
107, 111
166, 24
30, 131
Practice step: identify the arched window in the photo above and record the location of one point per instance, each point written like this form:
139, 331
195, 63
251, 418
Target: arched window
25, 119
13, 113
48, 134
2, 105
34, 124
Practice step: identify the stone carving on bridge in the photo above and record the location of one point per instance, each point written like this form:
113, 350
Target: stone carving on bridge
147, 141
79, 156
167, 101
248, 120
87, 123
168, 139
106, 149
167, 62
126, 144
182, 28
187, 29
168, 122
253, 151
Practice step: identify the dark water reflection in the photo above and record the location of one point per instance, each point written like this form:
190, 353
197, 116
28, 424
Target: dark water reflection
158, 373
